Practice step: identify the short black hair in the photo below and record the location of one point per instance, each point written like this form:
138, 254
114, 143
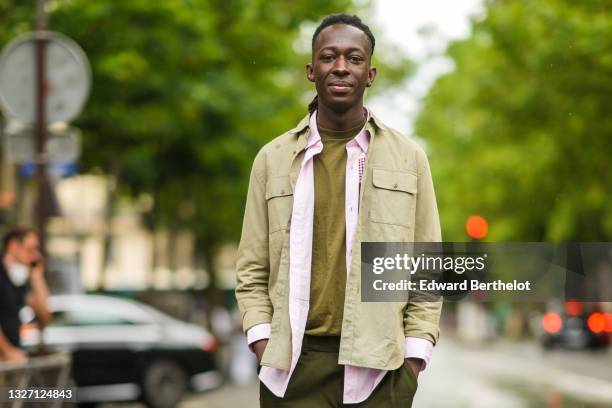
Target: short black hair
348, 20
17, 233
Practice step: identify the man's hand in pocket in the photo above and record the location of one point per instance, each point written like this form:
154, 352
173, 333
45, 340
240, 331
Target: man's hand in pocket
415, 365
259, 347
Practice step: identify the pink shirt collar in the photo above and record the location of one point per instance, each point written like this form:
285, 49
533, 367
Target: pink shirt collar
362, 140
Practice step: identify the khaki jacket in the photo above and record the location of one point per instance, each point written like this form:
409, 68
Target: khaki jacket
397, 204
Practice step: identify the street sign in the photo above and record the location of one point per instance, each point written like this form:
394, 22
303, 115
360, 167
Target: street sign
67, 78
55, 170
62, 147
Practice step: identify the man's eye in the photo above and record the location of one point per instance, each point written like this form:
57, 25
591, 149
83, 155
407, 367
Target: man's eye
355, 58
327, 58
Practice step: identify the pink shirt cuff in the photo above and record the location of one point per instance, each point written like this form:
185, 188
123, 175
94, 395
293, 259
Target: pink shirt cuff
419, 348
259, 332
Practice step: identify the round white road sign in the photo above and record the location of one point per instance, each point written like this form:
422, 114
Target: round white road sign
67, 78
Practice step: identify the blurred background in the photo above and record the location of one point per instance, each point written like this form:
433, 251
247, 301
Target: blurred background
510, 99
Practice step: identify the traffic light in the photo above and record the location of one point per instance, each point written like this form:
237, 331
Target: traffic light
476, 227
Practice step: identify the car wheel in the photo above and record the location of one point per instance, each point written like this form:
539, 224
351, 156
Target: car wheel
163, 385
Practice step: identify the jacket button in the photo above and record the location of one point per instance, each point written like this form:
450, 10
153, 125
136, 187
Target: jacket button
395, 185
282, 191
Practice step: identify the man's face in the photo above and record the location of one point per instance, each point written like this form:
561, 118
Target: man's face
341, 67
25, 251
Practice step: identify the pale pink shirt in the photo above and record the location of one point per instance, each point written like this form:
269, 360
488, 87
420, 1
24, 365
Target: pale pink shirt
359, 382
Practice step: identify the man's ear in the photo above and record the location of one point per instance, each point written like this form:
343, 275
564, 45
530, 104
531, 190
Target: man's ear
371, 76
310, 72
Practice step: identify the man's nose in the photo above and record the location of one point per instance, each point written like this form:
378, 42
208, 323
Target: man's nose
340, 68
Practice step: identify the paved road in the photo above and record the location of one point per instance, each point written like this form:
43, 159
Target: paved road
504, 374
515, 375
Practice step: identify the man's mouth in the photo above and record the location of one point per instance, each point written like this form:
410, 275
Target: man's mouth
339, 86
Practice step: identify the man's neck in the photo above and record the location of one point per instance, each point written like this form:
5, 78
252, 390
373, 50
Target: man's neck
329, 119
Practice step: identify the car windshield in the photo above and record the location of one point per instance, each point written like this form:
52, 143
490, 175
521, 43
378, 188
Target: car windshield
87, 317
108, 310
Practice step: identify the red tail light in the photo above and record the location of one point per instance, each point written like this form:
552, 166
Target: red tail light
552, 323
597, 322
608, 328
573, 308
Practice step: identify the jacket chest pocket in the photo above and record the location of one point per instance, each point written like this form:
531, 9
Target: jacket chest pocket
279, 197
393, 197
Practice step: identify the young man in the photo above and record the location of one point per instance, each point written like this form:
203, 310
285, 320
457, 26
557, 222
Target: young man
341, 177
22, 281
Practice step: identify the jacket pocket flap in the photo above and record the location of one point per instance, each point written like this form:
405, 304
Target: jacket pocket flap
278, 187
395, 180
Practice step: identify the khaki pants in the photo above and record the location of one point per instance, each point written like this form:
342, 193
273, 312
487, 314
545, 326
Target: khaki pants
317, 381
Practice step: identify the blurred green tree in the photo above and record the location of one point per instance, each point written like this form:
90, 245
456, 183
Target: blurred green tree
184, 94
520, 130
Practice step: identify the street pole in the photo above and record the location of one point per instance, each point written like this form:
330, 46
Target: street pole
41, 122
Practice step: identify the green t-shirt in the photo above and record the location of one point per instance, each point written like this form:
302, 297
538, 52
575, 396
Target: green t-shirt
328, 272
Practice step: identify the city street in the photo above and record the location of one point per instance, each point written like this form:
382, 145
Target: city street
500, 375
176, 173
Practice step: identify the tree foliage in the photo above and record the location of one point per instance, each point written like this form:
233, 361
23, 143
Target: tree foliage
184, 94
520, 130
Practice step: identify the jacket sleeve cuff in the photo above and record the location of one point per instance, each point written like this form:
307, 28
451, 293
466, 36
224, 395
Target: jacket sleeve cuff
419, 348
256, 315
259, 332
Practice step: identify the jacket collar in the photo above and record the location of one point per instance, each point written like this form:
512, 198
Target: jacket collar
302, 129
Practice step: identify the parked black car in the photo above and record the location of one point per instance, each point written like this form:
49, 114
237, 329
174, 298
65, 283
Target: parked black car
123, 350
